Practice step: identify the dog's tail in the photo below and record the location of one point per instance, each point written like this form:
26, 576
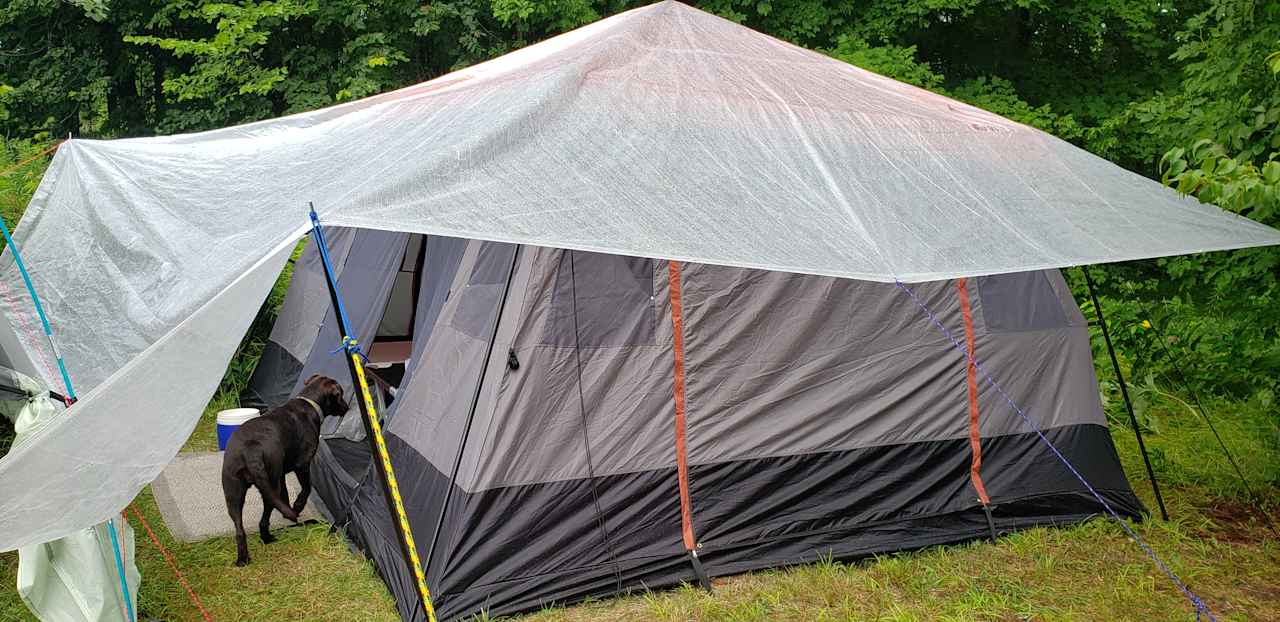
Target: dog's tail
258, 473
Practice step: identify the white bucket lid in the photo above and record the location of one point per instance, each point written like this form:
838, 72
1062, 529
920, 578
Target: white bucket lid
236, 416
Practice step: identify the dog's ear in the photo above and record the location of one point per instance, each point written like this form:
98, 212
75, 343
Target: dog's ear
311, 379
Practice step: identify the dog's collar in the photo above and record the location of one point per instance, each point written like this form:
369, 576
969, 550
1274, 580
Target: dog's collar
313, 405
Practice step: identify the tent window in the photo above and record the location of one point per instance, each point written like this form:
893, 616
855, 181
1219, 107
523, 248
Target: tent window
1020, 301
614, 301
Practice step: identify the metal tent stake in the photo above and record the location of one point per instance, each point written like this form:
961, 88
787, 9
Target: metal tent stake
1124, 391
373, 429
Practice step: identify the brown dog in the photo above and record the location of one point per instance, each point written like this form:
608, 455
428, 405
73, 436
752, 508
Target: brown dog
266, 448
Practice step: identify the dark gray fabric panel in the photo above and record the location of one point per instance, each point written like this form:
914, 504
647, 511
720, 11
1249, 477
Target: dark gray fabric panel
1021, 301
483, 289
273, 379
523, 547
614, 305
364, 283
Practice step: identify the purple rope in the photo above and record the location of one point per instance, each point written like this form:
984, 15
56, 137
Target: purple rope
1201, 608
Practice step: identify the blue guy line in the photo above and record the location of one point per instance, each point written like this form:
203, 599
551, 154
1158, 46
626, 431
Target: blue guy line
44, 321
1201, 608
71, 398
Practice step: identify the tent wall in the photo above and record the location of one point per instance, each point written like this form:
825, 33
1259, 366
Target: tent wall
825, 417
305, 332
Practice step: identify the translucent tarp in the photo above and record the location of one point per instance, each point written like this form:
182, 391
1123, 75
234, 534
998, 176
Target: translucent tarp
663, 132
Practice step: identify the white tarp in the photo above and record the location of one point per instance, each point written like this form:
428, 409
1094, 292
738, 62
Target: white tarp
662, 132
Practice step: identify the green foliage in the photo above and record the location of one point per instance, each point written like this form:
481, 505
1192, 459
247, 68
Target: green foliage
1001, 97
893, 61
226, 72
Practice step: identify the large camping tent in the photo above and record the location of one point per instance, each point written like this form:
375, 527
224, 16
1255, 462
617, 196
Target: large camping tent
823, 417
661, 134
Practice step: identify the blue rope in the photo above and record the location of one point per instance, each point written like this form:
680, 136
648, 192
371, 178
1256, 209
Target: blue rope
348, 342
71, 396
1199, 605
44, 321
124, 585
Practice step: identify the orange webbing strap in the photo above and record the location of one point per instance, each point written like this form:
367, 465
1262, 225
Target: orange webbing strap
168, 557
682, 466
682, 463
975, 439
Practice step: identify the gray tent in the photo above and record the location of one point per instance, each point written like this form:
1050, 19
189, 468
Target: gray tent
821, 416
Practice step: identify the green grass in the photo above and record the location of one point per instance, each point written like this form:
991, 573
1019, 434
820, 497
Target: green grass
1086, 572
308, 574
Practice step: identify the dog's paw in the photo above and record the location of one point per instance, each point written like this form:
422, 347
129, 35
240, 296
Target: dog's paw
268, 538
242, 561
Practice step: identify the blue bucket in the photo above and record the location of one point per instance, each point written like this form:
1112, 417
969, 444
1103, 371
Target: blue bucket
229, 421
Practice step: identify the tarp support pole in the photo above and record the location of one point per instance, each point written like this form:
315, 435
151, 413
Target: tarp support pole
373, 429
475, 403
682, 466
69, 400
1124, 390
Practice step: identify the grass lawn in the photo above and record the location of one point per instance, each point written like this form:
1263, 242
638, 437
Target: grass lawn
1086, 572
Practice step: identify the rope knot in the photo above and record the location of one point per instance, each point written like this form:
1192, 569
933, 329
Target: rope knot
351, 345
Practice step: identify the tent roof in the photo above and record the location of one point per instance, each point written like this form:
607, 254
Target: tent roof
662, 132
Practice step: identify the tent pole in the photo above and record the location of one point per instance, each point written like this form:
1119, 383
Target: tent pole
475, 402
373, 429
1124, 390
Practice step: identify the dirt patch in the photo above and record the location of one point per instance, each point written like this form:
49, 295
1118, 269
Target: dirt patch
1235, 522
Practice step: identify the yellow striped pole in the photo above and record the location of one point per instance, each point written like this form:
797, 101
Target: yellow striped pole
388, 475
376, 429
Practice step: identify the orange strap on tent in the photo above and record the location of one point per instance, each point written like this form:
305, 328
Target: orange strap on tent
975, 438
682, 466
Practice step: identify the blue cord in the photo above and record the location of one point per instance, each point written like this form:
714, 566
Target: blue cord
44, 321
124, 585
1199, 605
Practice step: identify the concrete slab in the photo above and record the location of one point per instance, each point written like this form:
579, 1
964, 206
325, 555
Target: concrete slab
189, 494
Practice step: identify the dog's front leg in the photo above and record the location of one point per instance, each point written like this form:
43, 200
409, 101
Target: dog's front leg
304, 480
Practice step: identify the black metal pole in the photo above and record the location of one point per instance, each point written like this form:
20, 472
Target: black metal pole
375, 453
475, 402
1124, 391
1186, 386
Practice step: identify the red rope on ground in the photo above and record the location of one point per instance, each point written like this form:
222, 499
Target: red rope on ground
168, 557
45, 152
